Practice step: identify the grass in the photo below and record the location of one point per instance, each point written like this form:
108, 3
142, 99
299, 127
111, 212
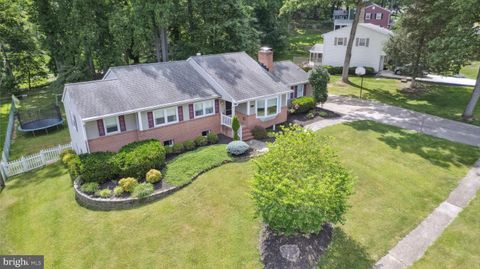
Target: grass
471, 71
299, 42
401, 177
443, 101
187, 165
4, 110
459, 243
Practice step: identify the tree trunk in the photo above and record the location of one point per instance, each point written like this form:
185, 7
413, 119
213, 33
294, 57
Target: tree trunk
191, 24
468, 113
158, 45
164, 40
353, 31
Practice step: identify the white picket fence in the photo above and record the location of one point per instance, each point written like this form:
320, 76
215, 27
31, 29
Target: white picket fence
30, 162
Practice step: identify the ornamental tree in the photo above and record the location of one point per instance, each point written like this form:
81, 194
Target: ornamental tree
319, 80
299, 185
235, 128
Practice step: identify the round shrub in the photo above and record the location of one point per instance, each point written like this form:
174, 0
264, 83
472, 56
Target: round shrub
212, 138
98, 167
189, 145
201, 141
67, 157
89, 187
237, 147
128, 183
300, 184
153, 176
143, 190
105, 193
117, 191
178, 148
302, 104
135, 159
65, 152
259, 132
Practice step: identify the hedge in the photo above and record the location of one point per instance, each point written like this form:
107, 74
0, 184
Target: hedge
337, 70
137, 158
302, 104
98, 167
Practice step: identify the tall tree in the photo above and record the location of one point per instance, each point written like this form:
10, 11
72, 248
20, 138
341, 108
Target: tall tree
468, 113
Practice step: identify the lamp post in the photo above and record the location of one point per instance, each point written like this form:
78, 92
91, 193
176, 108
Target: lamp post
360, 71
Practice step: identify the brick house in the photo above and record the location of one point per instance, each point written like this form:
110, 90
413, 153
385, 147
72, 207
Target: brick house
180, 100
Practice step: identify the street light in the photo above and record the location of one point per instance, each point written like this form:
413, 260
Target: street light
360, 71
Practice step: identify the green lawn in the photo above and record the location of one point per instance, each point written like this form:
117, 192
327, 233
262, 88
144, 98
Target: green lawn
401, 177
471, 71
4, 110
443, 101
458, 246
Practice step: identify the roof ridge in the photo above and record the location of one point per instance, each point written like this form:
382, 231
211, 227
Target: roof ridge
144, 64
90, 81
217, 54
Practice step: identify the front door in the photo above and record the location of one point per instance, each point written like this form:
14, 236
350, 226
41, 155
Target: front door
228, 108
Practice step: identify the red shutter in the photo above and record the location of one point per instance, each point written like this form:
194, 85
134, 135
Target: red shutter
150, 119
190, 110
121, 119
180, 113
217, 106
101, 129
292, 94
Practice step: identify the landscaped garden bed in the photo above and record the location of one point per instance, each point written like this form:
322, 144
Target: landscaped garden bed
304, 110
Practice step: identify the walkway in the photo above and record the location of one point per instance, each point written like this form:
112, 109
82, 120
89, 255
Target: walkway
413, 246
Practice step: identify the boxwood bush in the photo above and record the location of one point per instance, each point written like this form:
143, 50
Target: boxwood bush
201, 141
135, 159
178, 148
302, 104
212, 138
98, 167
189, 145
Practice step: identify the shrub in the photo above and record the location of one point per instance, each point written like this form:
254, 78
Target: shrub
98, 167
73, 167
235, 127
67, 157
117, 191
128, 183
135, 159
142, 190
168, 149
337, 70
302, 104
189, 145
259, 132
105, 193
201, 141
153, 176
89, 187
319, 80
300, 184
237, 147
212, 138
178, 148
65, 152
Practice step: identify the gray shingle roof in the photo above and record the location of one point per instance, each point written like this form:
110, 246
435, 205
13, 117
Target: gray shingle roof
289, 73
240, 75
139, 86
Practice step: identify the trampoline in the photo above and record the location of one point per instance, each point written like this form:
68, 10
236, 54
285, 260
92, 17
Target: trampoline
39, 119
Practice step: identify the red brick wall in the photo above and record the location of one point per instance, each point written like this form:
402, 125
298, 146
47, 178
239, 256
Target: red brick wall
252, 121
112, 142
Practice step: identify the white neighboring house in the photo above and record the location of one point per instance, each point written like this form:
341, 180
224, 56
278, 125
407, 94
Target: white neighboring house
367, 48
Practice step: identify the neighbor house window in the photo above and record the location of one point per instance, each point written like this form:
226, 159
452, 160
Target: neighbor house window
362, 42
168, 143
340, 41
267, 107
300, 90
379, 16
165, 116
368, 16
204, 108
111, 125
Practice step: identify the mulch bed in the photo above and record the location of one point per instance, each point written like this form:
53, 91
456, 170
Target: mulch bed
297, 251
111, 184
301, 119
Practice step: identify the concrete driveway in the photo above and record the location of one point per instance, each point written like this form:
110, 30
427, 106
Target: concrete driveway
433, 79
355, 109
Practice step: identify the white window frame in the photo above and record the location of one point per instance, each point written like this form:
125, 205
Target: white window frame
173, 143
362, 42
368, 16
165, 116
377, 18
207, 131
105, 125
265, 103
302, 88
204, 108
343, 43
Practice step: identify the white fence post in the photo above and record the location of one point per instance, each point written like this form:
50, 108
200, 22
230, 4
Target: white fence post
42, 157
24, 164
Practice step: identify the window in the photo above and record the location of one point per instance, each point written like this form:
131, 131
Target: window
111, 125
205, 133
165, 116
204, 108
267, 107
168, 143
368, 16
362, 42
340, 41
300, 90
379, 16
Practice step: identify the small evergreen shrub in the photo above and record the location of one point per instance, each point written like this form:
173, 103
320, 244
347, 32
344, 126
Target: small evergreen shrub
201, 141
168, 149
105, 193
135, 159
189, 145
212, 138
98, 167
302, 104
128, 183
237, 147
143, 190
178, 148
259, 132
73, 167
117, 191
65, 152
89, 187
235, 127
153, 176
319, 79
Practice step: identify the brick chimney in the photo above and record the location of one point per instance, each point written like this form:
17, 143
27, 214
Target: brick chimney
265, 58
